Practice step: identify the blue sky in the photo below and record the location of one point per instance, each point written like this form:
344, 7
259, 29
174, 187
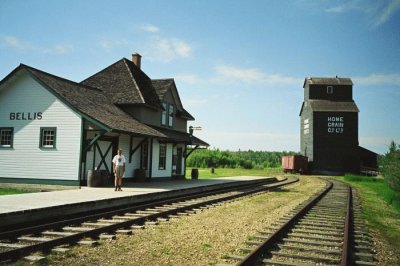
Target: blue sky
239, 65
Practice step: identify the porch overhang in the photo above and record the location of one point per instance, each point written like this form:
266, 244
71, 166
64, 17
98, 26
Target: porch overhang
173, 136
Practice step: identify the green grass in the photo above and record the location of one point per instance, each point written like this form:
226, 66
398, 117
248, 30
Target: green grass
381, 210
205, 173
379, 186
11, 191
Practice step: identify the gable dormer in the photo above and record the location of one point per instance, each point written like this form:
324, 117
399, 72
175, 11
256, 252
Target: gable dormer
173, 115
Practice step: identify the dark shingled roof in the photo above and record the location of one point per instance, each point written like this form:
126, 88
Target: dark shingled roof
333, 106
125, 83
179, 136
97, 98
162, 86
328, 81
91, 102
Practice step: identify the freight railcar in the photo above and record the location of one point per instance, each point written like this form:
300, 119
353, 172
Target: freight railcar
295, 164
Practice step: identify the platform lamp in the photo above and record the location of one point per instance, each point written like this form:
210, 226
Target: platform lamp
192, 128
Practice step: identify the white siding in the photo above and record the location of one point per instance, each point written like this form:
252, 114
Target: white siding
26, 159
156, 155
124, 143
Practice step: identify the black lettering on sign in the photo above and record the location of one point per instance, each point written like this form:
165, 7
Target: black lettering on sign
26, 116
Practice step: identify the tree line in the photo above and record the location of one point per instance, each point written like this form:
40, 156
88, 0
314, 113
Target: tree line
204, 158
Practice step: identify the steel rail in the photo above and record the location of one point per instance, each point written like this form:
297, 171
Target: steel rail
11, 234
347, 230
253, 257
93, 232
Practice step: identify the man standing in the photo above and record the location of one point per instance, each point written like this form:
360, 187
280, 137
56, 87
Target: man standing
119, 169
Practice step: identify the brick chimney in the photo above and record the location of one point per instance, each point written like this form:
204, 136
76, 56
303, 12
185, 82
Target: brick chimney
136, 59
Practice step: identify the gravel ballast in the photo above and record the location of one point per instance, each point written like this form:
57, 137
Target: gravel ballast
199, 239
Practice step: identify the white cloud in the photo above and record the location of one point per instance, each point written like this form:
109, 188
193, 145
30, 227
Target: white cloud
373, 79
187, 78
194, 102
378, 12
239, 74
387, 12
109, 44
168, 49
59, 49
149, 28
23, 46
336, 9
231, 74
15, 43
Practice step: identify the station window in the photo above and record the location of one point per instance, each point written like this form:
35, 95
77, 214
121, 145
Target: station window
163, 157
329, 89
170, 115
167, 114
6, 137
164, 114
48, 137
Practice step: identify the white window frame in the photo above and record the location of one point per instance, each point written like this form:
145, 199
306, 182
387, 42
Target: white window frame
329, 89
48, 137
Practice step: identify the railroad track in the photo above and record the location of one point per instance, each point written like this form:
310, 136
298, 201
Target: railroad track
325, 230
85, 230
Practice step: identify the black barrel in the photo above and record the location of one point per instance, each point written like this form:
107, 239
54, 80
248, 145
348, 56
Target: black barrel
195, 173
97, 178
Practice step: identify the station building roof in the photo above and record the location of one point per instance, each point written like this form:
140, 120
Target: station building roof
96, 104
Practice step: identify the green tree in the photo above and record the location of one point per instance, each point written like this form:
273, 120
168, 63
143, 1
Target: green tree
390, 166
235, 159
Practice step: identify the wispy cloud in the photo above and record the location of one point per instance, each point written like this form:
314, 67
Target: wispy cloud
382, 79
109, 44
59, 49
336, 9
387, 12
379, 12
227, 73
194, 102
149, 28
187, 78
13, 42
168, 49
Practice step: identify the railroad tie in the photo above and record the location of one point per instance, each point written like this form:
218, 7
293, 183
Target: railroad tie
34, 239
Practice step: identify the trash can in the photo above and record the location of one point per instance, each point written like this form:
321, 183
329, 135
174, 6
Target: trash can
140, 175
195, 173
97, 178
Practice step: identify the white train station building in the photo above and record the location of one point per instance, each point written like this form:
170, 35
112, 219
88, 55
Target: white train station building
57, 131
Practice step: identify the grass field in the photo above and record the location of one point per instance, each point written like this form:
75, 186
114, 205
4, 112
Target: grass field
224, 172
381, 210
10, 191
